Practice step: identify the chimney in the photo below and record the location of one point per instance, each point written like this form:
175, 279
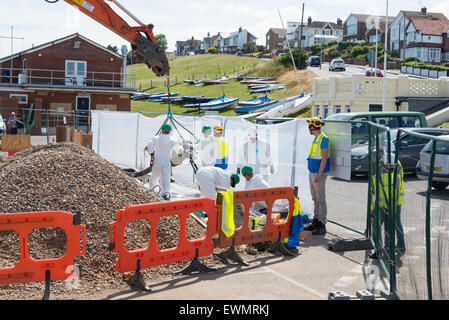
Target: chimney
339, 22
309, 20
423, 10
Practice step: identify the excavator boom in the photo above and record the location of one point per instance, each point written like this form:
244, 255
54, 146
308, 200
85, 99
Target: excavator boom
141, 37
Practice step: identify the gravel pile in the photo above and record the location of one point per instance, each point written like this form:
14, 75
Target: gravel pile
68, 177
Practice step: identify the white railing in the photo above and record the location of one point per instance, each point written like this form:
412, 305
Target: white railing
45, 77
360, 86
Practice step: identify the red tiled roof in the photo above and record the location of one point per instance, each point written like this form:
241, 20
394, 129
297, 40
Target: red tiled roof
431, 26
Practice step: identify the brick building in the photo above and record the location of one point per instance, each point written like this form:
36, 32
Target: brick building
276, 39
68, 75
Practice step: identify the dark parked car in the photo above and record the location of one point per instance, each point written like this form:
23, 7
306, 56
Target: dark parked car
314, 61
410, 149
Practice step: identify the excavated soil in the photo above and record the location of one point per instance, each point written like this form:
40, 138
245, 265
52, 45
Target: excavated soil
68, 177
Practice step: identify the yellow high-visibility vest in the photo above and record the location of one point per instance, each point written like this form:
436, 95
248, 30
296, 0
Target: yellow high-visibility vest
384, 189
315, 149
227, 215
222, 148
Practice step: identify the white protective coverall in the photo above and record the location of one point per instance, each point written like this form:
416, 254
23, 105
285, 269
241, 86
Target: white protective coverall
207, 151
209, 178
162, 146
257, 155
257, 182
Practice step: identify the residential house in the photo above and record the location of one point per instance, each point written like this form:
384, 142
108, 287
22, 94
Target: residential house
378, 30
314, 32
183, 48
276, 39
293, 34
211, 41
355, 27
322, 32
67, 75
236, 40
401, 21
427, 38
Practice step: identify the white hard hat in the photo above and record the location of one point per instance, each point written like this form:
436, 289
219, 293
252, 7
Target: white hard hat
252, 133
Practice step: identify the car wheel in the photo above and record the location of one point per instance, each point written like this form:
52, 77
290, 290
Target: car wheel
439, 185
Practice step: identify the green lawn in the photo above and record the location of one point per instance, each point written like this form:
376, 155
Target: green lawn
184, 67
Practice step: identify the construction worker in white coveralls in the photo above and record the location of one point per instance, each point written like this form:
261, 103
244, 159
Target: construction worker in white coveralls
257, 154
319, 167
210, 178
254, 181
207, 147
162, 146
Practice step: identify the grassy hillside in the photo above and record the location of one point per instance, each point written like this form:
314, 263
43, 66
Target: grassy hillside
184, 67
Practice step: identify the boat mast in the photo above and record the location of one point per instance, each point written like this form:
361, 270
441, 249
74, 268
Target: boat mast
221, 80
291, 55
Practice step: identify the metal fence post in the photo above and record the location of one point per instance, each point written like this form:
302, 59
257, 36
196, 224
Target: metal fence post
377, 226
428, 233
368, 232
391, 216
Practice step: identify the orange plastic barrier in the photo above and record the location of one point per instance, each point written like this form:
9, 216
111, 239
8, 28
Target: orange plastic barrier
151, 255
271, 231
30, 270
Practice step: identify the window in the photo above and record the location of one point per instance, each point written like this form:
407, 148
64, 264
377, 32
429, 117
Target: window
348, 109
372, 39
373, 107
411, 122
326, 112
75, 68
317, 111
23, 98
268, 37
337, 109
351, 29
328, 32
434, 54
413, 141
391, 122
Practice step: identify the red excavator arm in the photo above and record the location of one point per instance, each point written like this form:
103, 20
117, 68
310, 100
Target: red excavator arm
141, 37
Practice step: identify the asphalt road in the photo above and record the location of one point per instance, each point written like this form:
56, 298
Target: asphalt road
350, 70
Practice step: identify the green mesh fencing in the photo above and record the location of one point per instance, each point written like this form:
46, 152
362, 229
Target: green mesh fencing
422, 268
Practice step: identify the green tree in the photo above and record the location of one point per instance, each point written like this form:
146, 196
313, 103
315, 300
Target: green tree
162, 41
286, 60
112, 48
316, 48
249, 47
129, 58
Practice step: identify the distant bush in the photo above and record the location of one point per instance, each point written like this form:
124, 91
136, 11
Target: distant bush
425, 66
212, 50
316, 48
286, 60
411, 59
358, 50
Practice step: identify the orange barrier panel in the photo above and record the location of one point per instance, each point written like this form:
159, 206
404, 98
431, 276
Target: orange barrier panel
151, 255
30, 270
271, 231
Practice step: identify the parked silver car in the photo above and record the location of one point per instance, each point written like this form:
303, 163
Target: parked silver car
337, 64
441, 169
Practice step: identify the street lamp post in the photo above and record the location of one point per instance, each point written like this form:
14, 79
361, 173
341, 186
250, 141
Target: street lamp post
384, 98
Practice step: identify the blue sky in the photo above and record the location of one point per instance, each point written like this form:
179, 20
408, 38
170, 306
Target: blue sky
39, 22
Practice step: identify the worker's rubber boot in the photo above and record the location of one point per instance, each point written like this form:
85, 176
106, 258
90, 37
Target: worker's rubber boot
319, 230
312, 226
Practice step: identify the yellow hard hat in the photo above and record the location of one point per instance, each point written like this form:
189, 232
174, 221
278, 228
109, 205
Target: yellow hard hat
218, 128
316, 122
